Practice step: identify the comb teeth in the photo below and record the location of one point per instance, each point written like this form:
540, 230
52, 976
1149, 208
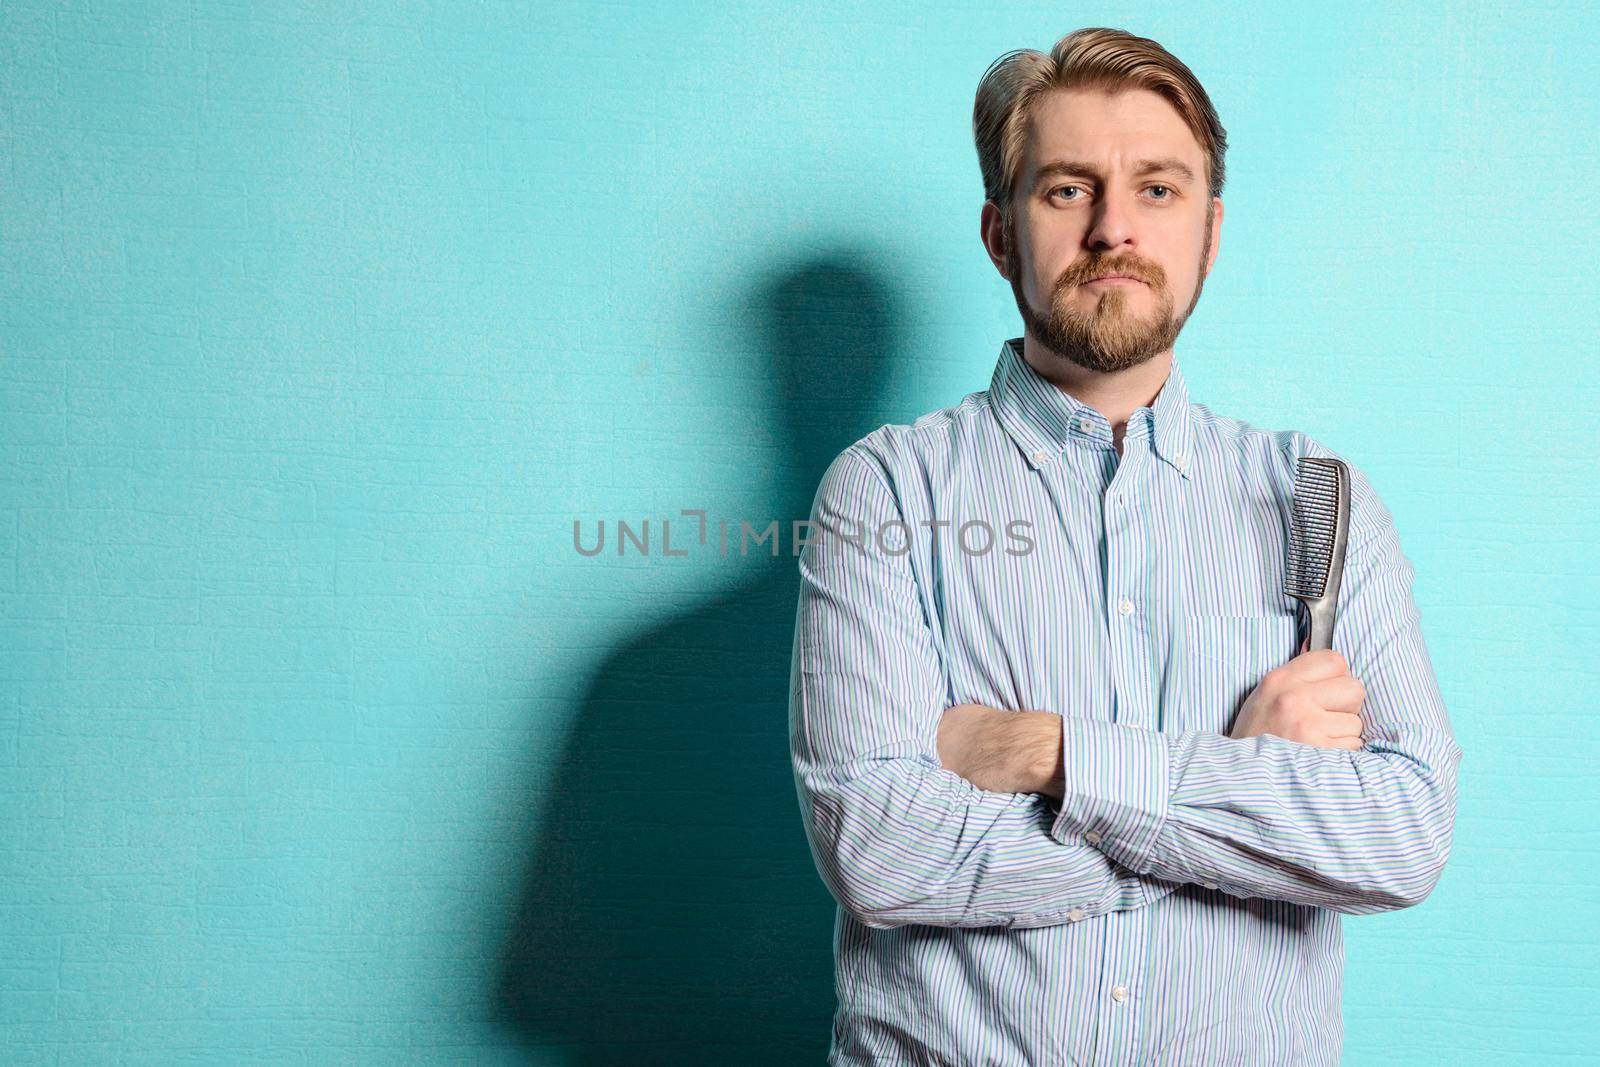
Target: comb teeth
1314, 528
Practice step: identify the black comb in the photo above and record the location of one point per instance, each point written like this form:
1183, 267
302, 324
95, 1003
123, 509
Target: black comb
1316, 542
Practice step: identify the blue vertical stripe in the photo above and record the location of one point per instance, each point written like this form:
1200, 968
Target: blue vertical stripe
1181, 904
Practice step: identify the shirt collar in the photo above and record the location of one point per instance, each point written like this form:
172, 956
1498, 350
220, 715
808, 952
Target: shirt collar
1044, 419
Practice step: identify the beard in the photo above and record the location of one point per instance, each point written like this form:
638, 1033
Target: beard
1111, 335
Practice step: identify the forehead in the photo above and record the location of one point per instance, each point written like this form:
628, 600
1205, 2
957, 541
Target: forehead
1112, 130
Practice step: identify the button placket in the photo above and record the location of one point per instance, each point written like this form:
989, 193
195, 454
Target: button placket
1124, 576
1122, 970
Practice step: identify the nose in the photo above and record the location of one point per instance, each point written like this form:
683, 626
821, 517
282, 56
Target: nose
1110, 227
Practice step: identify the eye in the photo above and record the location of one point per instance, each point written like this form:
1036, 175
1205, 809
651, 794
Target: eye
1065, 188
1167, 188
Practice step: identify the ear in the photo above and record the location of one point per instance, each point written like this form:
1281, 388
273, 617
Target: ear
1216, 232
992, 232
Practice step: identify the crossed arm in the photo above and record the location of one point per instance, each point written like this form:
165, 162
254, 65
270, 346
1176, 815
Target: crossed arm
900, 838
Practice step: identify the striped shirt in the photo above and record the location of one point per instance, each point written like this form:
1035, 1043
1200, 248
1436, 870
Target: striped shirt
1181, 903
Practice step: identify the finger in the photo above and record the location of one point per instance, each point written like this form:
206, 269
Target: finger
1342, 692
1323, 663
1338, 724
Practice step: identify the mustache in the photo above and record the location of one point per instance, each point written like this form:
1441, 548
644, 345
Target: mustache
1150, 274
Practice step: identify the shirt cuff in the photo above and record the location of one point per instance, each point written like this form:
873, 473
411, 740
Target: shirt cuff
1116, 790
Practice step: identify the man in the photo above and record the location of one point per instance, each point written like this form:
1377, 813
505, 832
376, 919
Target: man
1084, 797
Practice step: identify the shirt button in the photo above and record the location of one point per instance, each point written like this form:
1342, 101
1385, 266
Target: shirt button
1209, 885
1119, 993
1075, 914
1038, 457
1093, 837
1125, 606
1085, 424
1181, 460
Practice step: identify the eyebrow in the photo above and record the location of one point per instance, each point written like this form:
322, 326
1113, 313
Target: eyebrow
1074, 169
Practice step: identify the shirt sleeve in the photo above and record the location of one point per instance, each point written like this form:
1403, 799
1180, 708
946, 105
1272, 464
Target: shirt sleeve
897, 837
1353, 831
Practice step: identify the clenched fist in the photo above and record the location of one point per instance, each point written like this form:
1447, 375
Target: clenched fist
1312, 699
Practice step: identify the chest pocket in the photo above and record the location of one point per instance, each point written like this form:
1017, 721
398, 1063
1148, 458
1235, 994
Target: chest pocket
1223, 659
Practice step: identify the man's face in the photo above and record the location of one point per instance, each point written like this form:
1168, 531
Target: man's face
1109, 215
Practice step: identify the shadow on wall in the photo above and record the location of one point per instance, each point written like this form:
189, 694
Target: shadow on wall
672, 912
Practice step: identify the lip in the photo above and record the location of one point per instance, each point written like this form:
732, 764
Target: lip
1114, 279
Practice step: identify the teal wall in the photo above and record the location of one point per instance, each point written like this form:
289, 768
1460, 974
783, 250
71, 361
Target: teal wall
320, 324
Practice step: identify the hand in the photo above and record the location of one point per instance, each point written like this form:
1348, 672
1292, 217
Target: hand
1002, 751
1312, 699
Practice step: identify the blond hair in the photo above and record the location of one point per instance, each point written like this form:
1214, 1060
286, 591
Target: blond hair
1095, 57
